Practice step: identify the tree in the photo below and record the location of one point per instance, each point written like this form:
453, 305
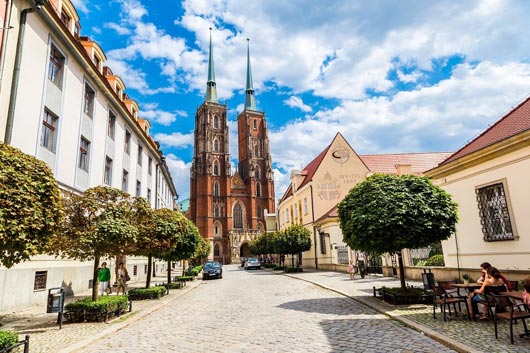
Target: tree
297, 239
186, 245
387, 213
203, 249
97, 224
158, 232
30, 206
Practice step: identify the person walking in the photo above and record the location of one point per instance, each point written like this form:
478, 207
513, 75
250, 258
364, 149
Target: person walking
104, 279
123, 277
351, 270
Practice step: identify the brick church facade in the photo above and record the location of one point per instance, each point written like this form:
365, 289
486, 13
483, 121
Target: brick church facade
229, 207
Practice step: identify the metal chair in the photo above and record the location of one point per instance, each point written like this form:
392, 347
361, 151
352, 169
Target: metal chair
442, 298
508, 310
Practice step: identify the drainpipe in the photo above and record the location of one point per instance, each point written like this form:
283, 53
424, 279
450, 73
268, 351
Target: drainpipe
314, 229
16, 75
5, 34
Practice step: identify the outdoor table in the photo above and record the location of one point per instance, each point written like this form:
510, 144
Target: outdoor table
470, 287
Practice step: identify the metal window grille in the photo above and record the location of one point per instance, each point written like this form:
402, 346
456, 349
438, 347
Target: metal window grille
342, 255
135, 270
40, 280
494, 214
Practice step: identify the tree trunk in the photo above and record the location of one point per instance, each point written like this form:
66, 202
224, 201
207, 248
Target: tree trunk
149, 264
184, 262
95, 282
292, 260
401, 270
168, 271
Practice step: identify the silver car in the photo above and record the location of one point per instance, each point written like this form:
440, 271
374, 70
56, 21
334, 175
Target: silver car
252, 263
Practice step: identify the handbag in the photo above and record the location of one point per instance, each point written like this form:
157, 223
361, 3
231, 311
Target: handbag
127, 277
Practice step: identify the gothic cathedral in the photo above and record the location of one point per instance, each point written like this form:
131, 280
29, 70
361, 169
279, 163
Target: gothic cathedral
229, 208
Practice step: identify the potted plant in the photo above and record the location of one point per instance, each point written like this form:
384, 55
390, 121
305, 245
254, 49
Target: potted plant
466, 277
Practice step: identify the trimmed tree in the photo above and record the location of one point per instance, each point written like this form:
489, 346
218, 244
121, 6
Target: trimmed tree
388, 213
158, 232
297, 239
186, 245
97, 224
30, 206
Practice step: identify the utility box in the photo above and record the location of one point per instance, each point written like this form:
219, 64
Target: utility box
55, 300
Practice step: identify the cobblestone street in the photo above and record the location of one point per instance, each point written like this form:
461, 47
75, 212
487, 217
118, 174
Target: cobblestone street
259, 311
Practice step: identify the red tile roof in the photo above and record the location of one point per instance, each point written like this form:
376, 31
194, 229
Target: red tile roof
387, 163
514, 122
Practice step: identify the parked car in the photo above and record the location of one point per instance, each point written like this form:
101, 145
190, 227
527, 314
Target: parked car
252, 263
243, 260
212, 270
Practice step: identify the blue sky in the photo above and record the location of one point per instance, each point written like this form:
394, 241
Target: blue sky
391, 76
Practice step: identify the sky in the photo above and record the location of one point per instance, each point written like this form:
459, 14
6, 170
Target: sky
391, 76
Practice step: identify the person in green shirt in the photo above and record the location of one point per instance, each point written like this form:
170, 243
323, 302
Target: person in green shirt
103, 278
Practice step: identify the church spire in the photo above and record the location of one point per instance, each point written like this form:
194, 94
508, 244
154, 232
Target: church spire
250, 101
211, 91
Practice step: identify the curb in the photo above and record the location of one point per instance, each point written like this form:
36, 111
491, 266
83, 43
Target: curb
85, 342
446, 341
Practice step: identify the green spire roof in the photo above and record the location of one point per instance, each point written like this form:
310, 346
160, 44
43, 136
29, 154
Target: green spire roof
250, 101
211, 90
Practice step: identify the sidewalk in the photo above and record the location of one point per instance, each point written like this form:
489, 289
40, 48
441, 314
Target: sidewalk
458, 333
46, 337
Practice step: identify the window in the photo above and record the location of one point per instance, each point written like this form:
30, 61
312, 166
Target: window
138, 187
305, 205
494, 213
215, 122
256, 151
56, 66
65, 19
216, 189
107, 176
216, 145
84, 154
216, 251
125, 180
111, 128
238, 216
140, 155
342, 255
150, 165
77, 29
295, 212
49, 126
323, 249
127, 142
259, 212
96, 61
40, 280
216, 211
149, 195
255, 124
216, 229
135, 270
88, 105
215, 168
258, 189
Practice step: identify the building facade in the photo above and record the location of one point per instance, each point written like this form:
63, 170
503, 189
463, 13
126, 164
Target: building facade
488, 180
60, 103
229, 207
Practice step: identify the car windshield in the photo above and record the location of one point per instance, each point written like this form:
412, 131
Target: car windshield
212, 264
253, 260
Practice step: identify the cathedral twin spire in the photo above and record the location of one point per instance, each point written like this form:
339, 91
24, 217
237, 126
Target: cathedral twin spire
211, 90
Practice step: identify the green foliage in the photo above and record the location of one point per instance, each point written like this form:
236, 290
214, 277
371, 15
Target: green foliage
184, 278
146, 293
203, 249
187, 243
408, 291
174, 285
30, 206
87, 310
293, 240
194, 271
436, 260
387, 213
8, 339
263, 244
436, 249
278, 268
293, 269
466, 276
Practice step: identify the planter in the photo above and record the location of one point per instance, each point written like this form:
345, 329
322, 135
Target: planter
403, 299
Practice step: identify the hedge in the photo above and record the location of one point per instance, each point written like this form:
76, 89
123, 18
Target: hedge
194, 271
184, 278
293, 269
278, 268
8, 339
436, 260
104, 308
146, 293
173, 285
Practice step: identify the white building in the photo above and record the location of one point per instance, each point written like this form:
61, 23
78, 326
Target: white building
61, 104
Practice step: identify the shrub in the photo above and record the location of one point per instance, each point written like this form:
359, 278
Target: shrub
293, 269
173, 285
409, 291
278, 268
194, 271
146, 293
8, 339
104, 308
436, 260
269, 265
184, 278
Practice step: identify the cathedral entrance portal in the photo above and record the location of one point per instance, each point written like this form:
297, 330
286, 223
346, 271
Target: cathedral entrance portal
244, 250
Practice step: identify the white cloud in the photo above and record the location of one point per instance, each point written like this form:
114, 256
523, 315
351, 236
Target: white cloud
176, 139
81, 6
407, 78
296, 102
120, 29
180, 172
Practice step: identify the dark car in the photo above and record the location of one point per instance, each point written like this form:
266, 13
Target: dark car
212, 270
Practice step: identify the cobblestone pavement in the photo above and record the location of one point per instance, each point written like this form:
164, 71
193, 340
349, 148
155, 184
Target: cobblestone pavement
258, 311
472, 336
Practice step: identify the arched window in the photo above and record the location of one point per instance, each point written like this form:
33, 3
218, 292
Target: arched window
256, 150
259, 212
216, 211
238, 216
217, 228
255, 124
216, 145
216, 168
216, 189
216, 251
256, 172
215, 122
258, 189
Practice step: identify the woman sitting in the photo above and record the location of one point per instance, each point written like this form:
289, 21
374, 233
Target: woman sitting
526, 292
493, 278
